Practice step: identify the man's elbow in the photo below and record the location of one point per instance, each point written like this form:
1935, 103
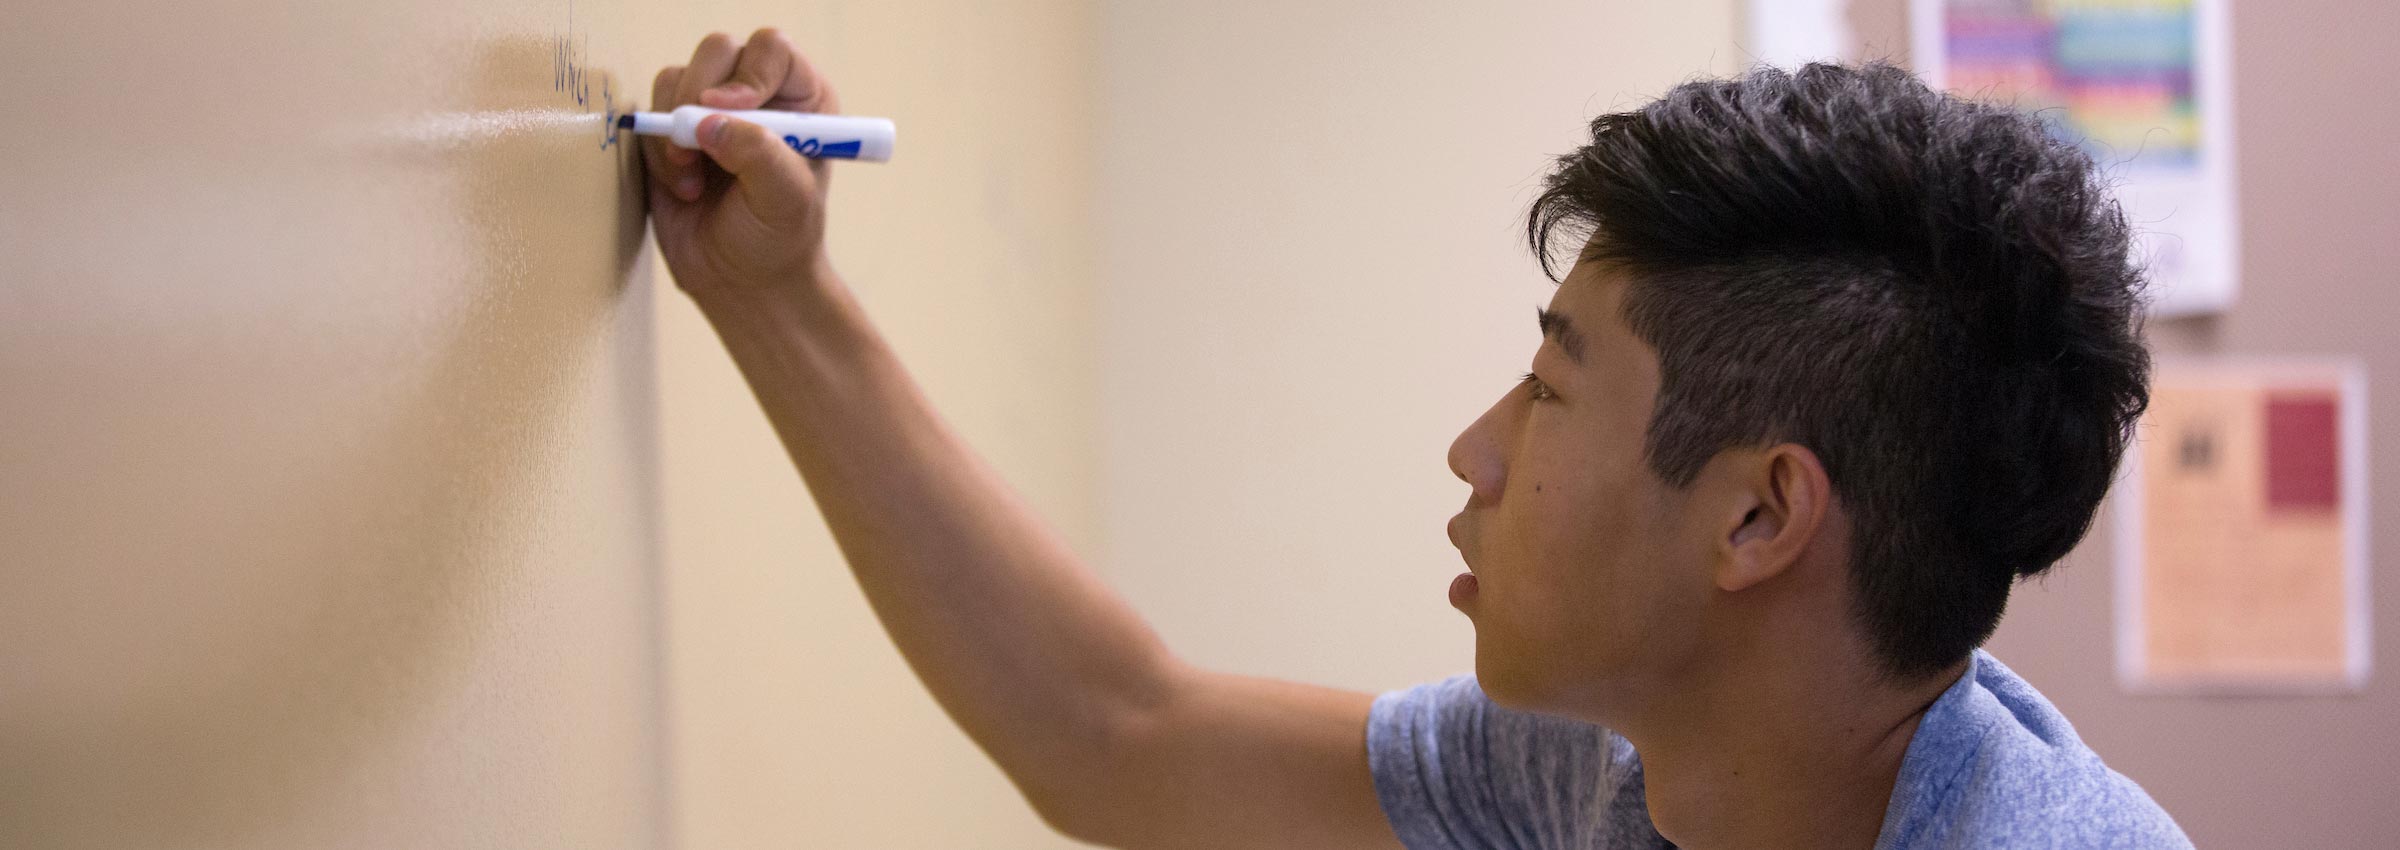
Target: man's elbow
1091, 815
1068, 821
1118, 800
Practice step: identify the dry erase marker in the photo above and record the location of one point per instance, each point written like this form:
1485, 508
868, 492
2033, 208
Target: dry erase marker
812, 134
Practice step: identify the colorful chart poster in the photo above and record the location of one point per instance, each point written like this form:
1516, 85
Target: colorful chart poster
2241, 545
2143, 85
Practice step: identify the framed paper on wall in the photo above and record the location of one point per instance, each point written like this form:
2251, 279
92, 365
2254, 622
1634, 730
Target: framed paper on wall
2144, 85
2241, 539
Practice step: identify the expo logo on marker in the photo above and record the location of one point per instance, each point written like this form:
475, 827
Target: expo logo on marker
812, 147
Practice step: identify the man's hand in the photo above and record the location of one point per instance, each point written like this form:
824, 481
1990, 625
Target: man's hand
751, 212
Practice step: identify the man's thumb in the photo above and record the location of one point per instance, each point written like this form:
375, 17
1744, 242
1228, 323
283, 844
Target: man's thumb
775, 179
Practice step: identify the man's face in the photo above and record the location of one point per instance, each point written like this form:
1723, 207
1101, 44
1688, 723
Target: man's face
1588, 586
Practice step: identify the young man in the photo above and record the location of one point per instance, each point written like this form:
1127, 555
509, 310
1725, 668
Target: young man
1840, 359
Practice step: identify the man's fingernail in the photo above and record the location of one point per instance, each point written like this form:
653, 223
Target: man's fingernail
734, 90
688, 188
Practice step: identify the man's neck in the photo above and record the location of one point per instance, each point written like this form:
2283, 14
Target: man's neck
1778, 754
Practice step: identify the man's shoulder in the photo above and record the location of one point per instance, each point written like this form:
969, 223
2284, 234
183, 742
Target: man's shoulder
1452, 768
2028, 790
2003, 768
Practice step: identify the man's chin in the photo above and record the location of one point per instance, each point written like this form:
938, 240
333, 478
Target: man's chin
1503, 676
1519, 680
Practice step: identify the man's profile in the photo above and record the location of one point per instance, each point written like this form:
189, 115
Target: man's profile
1835, 361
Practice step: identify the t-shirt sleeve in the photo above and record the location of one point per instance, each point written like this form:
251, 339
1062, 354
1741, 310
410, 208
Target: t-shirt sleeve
1456, 772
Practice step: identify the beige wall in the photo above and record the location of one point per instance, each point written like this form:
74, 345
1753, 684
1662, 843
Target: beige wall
1314, 276
325, 459
364, 486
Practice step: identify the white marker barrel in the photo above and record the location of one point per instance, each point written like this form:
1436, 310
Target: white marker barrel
812, 134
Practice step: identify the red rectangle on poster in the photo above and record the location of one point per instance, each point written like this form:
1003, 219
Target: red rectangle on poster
2303, 452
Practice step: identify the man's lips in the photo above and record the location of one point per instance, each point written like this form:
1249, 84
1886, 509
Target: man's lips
1458, 539
1464, 587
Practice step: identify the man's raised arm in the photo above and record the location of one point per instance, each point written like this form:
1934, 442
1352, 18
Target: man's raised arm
1110, 738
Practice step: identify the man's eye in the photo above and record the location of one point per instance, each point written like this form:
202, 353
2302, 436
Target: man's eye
1536, 389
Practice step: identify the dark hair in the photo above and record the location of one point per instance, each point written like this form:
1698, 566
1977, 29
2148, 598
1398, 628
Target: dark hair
1932, 294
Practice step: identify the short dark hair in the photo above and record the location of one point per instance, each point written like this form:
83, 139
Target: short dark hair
1934, 295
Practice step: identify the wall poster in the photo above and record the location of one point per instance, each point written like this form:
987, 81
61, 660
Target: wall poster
2144, 85
2241, 539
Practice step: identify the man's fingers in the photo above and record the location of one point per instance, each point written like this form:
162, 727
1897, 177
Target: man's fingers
673, 167
769, 72
712, 63
802, 90
776, 183
758, 72
662, 87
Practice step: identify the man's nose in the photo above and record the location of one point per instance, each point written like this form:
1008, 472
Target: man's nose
1475, 457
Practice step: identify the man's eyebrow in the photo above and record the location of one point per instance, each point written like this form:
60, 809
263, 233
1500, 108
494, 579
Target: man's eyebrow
1557, 327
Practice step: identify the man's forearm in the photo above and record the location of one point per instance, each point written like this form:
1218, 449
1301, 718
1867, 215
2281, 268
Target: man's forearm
1025, 648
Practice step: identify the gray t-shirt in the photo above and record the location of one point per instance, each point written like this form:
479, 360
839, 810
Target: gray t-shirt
1992, 765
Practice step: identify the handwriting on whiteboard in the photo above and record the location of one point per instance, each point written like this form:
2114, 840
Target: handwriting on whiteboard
571, 75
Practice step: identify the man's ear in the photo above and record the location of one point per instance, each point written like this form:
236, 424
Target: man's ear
1779, 509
